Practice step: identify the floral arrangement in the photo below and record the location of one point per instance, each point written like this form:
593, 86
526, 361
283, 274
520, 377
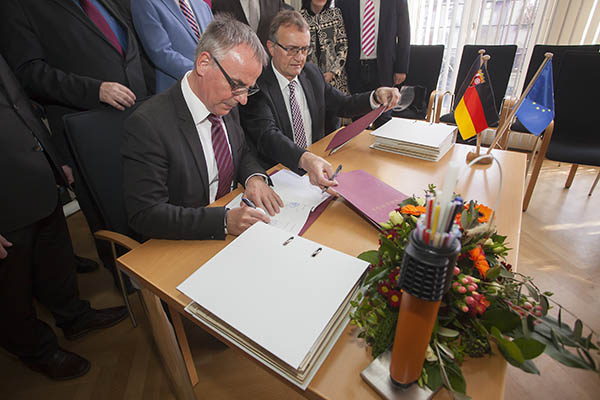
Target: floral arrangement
487, 302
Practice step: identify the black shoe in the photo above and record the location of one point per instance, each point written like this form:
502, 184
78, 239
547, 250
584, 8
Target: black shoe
61, 365
85, 265
95, 319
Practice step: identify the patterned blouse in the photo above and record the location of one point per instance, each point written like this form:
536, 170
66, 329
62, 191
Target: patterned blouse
329, 43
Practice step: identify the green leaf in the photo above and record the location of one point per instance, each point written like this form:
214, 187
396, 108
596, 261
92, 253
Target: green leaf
577, 329
565, 357
545, 304
371, 256
493, 273
372, 318
504, 320
504, 273
532, 292
456, 378
434, 376
529, 367
447, 332
446, 350
509, 350
530, 348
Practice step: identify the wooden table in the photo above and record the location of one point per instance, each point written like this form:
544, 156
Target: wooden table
161, 265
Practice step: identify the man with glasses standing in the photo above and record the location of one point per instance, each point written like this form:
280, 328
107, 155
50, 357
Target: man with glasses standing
184, 148
289, 112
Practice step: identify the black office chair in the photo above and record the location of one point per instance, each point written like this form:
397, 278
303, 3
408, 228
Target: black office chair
423, 73
499, 69
574, 137
95, 140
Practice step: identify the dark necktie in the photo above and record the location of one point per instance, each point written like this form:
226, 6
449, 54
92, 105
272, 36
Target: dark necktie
299, 133
94, 14
222, 155
189, 15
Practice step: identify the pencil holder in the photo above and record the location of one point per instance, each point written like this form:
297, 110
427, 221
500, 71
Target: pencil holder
425, 276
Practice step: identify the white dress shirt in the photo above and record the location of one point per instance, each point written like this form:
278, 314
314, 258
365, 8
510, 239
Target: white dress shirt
300, 97
376, 4
203, 126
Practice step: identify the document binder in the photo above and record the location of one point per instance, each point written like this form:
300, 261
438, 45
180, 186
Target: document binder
280, 298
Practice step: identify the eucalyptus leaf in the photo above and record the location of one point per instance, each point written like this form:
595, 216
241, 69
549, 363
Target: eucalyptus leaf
446, 350
532, 292
567, 358
447, 332
545, 305
493, 273
530, 348
577, 329
529, 367
504, 273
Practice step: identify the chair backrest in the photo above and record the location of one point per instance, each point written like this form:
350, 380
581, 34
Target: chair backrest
425, 66
499, 67
559, 52
95, 140
576, 135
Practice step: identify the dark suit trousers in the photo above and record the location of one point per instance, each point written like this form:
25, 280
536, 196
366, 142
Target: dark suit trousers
369, 80
40, 265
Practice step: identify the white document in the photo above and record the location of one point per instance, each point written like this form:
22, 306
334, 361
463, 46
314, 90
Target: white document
418, 133
299, 199
279, 296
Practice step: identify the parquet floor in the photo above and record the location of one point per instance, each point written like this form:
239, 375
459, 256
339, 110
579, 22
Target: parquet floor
560, 247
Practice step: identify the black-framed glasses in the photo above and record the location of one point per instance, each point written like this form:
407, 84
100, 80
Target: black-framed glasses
236, 88
293, 51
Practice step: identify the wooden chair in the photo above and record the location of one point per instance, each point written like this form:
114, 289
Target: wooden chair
95, 139
424, 70
573, 135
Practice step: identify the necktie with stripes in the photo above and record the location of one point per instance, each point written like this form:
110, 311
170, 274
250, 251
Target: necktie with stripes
368, 28
299, 134
222, 155
94, 14
189, 15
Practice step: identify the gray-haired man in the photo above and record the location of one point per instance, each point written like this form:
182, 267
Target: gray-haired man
184, 148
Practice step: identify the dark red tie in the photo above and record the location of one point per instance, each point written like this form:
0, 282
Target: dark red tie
222, 155
97, 18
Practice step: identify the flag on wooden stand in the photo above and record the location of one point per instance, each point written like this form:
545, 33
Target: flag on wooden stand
537, 109
476, 109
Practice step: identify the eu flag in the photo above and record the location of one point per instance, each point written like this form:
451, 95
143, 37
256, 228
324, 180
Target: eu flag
537, 109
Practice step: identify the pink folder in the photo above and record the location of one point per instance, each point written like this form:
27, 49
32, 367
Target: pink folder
371, 197
353, 129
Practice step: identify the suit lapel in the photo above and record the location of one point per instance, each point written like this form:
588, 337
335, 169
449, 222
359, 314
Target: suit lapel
188, 130
272, 87
79, 14
311, 101
176, 11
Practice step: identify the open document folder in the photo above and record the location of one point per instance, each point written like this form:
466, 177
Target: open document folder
301, 201
282, 299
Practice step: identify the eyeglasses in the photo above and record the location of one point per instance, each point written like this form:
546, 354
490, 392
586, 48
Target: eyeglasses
293, 51
236, 88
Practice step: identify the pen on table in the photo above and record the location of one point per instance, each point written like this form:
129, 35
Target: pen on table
337, 171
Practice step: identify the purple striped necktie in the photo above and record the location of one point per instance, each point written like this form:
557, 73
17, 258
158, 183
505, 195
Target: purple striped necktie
368, 28
189, 15
299, 133
222, 155
94, 14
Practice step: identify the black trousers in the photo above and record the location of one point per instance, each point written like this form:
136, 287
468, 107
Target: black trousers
40, 265
369, 80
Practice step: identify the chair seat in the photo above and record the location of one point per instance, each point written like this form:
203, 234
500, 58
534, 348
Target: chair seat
448, 119
577, 149
409, 114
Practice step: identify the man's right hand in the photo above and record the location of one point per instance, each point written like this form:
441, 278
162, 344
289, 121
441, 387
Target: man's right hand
3, 244
116, 95
241, 218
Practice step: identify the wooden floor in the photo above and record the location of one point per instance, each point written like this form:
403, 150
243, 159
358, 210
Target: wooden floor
560, 247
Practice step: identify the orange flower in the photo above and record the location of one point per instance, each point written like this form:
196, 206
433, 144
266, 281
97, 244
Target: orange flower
485, 213
479, 261
413, 210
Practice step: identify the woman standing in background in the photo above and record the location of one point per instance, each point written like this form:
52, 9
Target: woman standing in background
328, 41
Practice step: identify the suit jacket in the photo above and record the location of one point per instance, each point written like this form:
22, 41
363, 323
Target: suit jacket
268, 10
164, 170
393, 40
267, 124
61, 57
167, 36
29, 167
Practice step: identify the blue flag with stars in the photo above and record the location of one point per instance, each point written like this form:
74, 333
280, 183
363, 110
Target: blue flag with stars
537, 109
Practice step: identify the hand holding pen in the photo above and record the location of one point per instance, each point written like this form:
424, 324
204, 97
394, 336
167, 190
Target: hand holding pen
335, 174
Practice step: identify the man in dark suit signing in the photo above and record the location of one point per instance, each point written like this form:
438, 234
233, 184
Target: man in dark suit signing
70, 56
184, 147
36, 255
288, 114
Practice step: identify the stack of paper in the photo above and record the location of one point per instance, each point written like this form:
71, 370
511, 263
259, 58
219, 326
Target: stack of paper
415, 138
299, 197
282, 299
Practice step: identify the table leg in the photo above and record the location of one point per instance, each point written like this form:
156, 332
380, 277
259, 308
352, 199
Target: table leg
184, 346
165, 340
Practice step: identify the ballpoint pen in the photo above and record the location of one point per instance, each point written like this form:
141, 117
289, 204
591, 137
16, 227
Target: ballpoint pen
337, 171
248, 202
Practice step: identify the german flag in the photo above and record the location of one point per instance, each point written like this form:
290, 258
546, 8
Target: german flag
476, 109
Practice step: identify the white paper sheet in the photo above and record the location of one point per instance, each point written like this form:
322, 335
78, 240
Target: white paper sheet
299, 199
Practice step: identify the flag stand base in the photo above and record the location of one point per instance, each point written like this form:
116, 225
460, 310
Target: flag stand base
473, 155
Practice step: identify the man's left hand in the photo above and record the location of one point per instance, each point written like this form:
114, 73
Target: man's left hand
262, 195
399, 78
318, 170
387, 96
